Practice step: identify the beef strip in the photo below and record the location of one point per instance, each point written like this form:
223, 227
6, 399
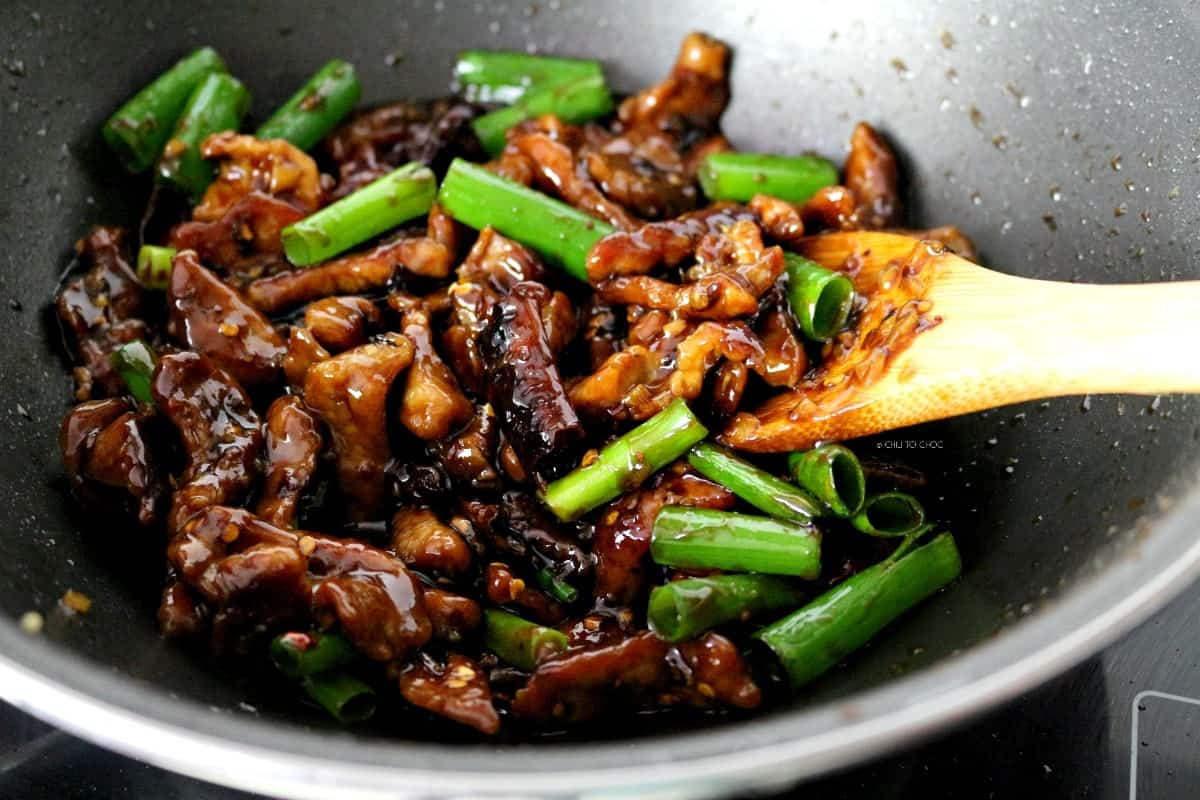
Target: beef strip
432, 405
219, 429
422, 541
210, 317
99, 311
303, 350
523, 382
245, 240
340, 323
453, 616
457, 690
294, 441
274, 167
872, 175
466, 456
108, 462
378, 140
622, 539
504, 588
349, 392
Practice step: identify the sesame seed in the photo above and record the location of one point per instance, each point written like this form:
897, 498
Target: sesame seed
230, 534
307, 545
228, 329
77, 602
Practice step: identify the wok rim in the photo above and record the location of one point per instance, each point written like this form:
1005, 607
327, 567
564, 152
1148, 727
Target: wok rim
145, 723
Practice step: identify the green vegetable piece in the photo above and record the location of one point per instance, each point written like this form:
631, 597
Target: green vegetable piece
701, 538
139, 130
397, 197
810, 641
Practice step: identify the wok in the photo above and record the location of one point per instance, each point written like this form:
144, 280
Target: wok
1061, 137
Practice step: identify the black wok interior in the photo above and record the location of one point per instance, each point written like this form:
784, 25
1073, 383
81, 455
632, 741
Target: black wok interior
1063, 141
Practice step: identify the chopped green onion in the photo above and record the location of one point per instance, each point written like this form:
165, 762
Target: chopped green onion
757, 487
889, 514
701, 538
519, 642
833, 475
382, 204
573, 101
485, 76
134, 362
740, 176
316, 108
626, 463
810, 641
154, 266
563, 236
217, 104
139, 130
821, 299
299, 655
684, 609
345, 697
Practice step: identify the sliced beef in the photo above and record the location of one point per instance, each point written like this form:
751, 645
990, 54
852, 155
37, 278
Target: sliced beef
294, 442
457, 690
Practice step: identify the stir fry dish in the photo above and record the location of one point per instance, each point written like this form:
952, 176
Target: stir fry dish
475, 403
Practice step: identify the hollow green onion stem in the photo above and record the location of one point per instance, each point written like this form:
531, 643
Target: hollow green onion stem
154, 266
319, 105
740, 176
810, 641
484, 76
558, 588
684, 609
217, 104
833, 475
889, 514
701, 538
563, 236
139, 130
757, 487
299, 655
626, 462
134, 362
821, 299
399, 196
345, 697
573, 101
519, 642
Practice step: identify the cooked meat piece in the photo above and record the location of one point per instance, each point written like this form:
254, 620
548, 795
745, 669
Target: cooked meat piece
467, 455
659, 243
377, 141
108, 463
303, 350
458, 691
949, 235
350, 392
584, 683
180, 614
207, 315
831, 208
424, 542
717, 671
414, 479
640, 381
729, 381
376, 603
644, 171
494, 265
622, 539
733, 269
432, 404
780, 220
783, 360
692, 98
553, 148
219, 429
600, 331
453, 616
340, 323
98, 311
245, 240
872, 175
504, 588
523, 382
524, 529
275, 167
294, 442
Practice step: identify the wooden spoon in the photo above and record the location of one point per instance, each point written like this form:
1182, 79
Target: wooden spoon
941, 336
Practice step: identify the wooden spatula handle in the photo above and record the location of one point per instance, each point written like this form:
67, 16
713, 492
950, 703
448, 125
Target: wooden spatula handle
1061, 338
